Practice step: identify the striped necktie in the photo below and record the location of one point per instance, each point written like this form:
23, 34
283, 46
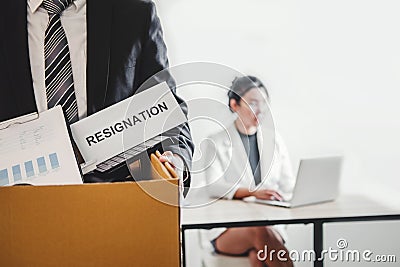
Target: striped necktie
58, 69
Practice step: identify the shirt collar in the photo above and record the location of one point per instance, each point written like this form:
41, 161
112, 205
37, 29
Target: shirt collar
35, 4
79, 4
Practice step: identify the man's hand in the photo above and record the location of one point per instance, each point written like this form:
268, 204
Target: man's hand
267, 195
175, 161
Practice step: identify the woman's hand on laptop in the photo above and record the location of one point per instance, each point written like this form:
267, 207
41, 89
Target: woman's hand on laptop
267, 195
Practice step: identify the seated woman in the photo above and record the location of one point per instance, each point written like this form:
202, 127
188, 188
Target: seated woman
243, 163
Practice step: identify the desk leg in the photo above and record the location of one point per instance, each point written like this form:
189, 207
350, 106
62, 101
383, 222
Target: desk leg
183, 249
318, 243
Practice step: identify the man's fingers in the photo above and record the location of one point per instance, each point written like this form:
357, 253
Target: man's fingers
169, 161
167, 156
167, 153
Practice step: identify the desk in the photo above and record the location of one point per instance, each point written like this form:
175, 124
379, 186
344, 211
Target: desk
237, 213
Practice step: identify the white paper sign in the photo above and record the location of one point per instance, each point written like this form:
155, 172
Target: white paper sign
128, 123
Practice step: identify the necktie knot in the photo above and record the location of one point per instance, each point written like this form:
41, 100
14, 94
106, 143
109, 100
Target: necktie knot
55, 6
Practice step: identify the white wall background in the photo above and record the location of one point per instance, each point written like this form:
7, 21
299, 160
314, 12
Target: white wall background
333, 71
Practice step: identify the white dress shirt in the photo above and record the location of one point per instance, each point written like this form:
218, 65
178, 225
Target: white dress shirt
73, 20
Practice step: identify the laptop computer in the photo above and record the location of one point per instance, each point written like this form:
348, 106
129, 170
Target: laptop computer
317, 181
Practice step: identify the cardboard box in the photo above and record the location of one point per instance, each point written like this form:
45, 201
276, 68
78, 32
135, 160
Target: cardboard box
90, 225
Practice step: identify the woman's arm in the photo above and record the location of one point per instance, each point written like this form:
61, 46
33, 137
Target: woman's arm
261, 194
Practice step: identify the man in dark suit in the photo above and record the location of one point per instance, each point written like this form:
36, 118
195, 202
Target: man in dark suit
125, 47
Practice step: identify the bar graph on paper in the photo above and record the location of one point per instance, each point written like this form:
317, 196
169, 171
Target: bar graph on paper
36, 149
29, 169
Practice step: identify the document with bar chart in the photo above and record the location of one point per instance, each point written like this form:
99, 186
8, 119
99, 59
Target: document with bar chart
36, 149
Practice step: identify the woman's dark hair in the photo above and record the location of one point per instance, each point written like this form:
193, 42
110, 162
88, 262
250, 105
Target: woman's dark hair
241, 85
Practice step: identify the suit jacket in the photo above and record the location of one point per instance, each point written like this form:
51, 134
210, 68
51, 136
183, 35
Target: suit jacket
124, 48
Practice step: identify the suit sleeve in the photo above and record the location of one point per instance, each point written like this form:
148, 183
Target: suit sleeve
153, 60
